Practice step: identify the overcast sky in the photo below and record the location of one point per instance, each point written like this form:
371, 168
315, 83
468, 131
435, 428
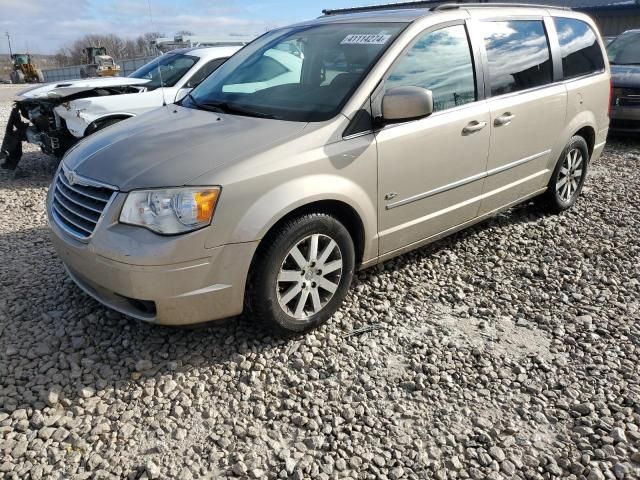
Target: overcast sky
42, 26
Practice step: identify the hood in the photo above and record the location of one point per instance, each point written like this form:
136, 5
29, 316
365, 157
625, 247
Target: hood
172, 145
625, 76
70, 87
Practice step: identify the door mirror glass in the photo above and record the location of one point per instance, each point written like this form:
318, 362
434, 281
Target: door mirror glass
401, 104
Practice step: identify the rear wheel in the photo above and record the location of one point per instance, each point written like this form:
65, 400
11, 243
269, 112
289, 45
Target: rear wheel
301, 275
39, 75
568, 177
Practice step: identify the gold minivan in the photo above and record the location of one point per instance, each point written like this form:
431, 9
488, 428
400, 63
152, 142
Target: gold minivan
326, 147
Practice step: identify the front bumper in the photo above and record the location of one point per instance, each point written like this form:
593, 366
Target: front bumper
625, 119
166, 280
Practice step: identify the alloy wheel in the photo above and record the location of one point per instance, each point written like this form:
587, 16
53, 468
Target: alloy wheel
570, 175
309, 276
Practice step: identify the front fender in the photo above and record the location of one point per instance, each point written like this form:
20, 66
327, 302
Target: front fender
79, 115
277, 203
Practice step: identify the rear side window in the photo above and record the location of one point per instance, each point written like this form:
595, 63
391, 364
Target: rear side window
518, 55
441, 62
581, 53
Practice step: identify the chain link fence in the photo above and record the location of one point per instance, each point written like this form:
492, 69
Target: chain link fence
127, 67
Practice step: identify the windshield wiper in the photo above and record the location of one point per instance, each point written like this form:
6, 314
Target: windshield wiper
225, 107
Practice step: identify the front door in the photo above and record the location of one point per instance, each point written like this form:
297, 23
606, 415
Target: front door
431, 171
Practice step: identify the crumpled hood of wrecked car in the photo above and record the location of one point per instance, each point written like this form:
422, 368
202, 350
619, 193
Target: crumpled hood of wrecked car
64, 88
172, 145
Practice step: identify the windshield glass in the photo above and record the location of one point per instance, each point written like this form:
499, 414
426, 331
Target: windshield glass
625, 50
302, 73
171, 67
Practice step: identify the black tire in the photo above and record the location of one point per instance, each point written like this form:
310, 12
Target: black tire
265, 292
95, 127
17, 77
560, 196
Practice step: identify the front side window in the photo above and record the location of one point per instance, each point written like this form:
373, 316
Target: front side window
165, 70
518, 55
581, 53
204, 72
439, 61
625, 50
304, 73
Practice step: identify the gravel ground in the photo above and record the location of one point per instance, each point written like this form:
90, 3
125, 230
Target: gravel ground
507, 351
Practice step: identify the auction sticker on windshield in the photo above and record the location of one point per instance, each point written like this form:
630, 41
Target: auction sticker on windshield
365, 39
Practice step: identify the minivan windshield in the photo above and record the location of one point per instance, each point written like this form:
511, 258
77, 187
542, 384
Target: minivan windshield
625, 50
304, 73
165, 70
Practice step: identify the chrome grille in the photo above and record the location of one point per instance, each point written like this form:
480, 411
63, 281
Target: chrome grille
77, 203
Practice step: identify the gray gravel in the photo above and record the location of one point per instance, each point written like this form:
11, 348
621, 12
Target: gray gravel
507, 351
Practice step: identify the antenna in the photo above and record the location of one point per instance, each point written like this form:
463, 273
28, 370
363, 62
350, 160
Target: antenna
9, 40
164, 101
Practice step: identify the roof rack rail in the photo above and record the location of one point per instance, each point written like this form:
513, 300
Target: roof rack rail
382, 6
453, 6
433, 8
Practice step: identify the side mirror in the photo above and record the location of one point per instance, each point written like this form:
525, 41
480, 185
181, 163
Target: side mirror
401, 104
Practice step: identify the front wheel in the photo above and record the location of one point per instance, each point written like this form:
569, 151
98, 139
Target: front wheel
100, 125
302, 272
568, 176
17, 76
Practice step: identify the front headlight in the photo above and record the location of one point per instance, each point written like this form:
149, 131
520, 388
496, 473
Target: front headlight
171, 211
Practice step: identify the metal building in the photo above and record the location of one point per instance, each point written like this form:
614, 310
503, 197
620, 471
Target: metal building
612, 16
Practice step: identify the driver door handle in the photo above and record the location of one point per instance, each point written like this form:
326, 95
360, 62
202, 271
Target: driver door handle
473, 127
504, 119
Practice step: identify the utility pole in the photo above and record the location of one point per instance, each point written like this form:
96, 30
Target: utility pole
9, 40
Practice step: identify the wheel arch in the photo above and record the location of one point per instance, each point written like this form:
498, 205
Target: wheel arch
589, 134
342, 211
93, 126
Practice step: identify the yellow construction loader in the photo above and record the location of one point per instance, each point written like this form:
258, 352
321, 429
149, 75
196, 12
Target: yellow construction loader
24, 70
99, 64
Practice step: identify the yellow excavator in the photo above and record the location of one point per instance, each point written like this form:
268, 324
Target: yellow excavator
99, 64
24, 70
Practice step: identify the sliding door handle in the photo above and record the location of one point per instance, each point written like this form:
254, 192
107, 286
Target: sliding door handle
473, 127
504, 119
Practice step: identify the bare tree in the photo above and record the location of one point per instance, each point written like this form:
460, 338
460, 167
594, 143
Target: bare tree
116, 46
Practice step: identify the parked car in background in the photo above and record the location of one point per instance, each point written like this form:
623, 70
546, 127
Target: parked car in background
58, 114
267, 189
624, 57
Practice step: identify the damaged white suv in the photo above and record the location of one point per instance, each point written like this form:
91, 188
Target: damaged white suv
55, 116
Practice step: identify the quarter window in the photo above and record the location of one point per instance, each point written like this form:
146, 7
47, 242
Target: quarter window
441, 62
518, 55
581, 53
